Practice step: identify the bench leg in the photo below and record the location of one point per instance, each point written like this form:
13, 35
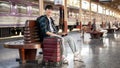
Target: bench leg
27, 55
30, 54
22, 55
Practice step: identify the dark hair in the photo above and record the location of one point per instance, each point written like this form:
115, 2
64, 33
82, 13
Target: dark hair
48, 7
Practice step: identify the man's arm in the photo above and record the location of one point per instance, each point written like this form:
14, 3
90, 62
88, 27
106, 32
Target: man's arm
44, 29
52, 34
63, 34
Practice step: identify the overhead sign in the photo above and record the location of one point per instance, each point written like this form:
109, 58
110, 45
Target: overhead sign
58, 2
105, 0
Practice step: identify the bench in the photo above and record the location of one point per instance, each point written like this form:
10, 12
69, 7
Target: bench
29, 45
111, 30
96, 34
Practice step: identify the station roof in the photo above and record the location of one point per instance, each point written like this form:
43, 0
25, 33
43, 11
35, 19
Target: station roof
113, 4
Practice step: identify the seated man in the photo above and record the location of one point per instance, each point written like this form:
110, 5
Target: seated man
47, 28
97, 27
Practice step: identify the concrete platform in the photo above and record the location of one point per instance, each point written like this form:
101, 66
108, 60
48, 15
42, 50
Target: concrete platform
96, 53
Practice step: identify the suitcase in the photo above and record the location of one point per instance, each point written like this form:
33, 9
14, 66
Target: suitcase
52, 54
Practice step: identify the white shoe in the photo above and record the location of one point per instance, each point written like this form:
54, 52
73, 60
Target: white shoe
65, 61
77, 57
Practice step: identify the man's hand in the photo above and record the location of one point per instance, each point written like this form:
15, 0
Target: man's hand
52, 34
63, 34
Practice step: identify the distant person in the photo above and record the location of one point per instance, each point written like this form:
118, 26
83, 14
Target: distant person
89, 26
77, 23
47, 28
109, 25
116, 24
93, 27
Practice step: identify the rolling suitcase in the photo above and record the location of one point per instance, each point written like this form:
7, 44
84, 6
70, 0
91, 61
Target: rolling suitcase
52, 54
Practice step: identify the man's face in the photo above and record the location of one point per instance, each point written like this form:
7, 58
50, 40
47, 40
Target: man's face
94, 20
48, 12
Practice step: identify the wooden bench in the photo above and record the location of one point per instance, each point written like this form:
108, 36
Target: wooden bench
112, 30
29, 45
96, 34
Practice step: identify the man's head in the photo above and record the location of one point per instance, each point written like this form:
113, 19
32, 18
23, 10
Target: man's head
48, 10
94, 20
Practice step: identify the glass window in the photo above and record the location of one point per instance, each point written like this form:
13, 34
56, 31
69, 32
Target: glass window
74, 3
107, 12
85, 5
100, 9
55, 16
4, 7
35, 10
93, 7
22, 9
113, 14
110, 13
51, 0
103, 10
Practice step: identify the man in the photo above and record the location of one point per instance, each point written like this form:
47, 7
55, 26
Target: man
47, 29
94, 25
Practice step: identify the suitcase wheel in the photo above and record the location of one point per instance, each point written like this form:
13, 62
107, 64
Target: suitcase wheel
56, 64
45, 63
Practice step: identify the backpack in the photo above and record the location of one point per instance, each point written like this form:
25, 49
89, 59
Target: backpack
38, 26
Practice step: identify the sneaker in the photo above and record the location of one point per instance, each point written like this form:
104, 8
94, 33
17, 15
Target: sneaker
65, 61
77, 57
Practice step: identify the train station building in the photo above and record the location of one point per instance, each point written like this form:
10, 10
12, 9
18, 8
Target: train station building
94, 25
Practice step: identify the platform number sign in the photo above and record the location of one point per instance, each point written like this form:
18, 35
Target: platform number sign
58, 2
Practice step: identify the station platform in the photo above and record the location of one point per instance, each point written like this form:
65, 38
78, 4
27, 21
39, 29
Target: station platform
96, 53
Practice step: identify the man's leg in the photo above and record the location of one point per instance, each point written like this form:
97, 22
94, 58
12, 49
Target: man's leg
64, 53
73, 47
71, 43
63, 47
